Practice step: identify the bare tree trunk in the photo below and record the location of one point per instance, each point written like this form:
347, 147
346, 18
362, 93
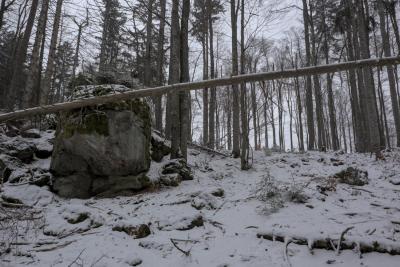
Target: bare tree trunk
368, 96
309, 97
44, 94
19, 60
211, 121
205, 92
160, 67
32, 90
243, 99
174, 77
392, 81
2, 11
254, 111
299, 107
149, 39
185, 77
229, 118
235, 71
331, 102
317, 87
81, 25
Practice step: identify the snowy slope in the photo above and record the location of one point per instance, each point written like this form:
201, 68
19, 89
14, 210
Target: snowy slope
231, 222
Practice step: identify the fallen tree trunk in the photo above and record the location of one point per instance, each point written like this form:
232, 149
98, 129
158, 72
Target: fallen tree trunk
330, 244
255, 77
208, 150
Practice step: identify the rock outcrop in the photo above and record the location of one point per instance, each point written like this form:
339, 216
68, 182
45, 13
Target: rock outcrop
102, 149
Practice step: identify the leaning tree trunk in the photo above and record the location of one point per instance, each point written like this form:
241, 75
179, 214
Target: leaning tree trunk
44, 94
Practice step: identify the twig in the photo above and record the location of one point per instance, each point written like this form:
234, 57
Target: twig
287, 242
76, 259
187, 253
99, 259
54, 247
341, 238
219, 208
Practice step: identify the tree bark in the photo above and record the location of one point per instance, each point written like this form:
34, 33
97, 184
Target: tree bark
44, 94
309, 97
160, 67
211, 120
174, 77
19, 60
32, 86
185, 76
389, 68
244, 155
235, 90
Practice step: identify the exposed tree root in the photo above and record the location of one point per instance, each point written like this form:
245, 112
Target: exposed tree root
336, 245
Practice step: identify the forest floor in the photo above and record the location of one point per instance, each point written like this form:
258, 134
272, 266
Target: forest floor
221, 217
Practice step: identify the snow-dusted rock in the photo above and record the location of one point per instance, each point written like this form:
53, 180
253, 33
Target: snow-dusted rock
19, 148
352, 176
180, 167
31, 133
30, 195
395, 180
96, 146
159, 147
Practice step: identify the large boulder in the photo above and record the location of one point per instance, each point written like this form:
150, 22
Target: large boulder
103, 148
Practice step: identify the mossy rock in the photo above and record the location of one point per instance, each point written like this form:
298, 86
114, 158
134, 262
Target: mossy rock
102, 148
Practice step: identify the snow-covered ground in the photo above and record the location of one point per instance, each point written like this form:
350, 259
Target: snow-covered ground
194, 224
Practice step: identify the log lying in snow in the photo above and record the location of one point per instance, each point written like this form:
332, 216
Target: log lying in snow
208, 150
174, 88
330, 244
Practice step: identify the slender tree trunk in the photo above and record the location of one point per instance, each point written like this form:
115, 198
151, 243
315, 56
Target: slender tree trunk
160, 67
229, 118
235, 90
32, 90
211, 122
243, 99
390, 73
149, 40
174, 77
2, 11
185, 77
254, 111
331, 102
44, 94
368, 95
309, 97
20, 56
205, 92
317, 87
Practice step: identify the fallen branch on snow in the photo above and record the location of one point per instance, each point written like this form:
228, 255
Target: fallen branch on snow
173, 241
330, 244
